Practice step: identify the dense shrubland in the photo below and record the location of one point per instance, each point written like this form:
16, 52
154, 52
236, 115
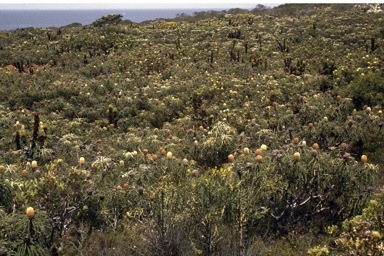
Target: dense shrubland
251, 133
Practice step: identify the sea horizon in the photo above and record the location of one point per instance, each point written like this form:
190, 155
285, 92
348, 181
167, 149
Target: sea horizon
11, 19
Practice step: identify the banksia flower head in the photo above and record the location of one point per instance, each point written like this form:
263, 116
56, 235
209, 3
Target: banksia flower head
30, 212
303, 143
194, 173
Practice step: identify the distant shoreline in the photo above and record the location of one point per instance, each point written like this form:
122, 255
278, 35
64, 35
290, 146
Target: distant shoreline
131, 6
21, 18
12, 19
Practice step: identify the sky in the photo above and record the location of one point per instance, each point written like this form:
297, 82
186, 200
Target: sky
146, 4
143, 4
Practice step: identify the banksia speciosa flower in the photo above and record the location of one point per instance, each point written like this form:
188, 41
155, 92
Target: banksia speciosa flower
30, 212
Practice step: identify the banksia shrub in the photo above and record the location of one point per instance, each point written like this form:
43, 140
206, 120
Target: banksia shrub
217, 145
309, 172
362, 234
6, 195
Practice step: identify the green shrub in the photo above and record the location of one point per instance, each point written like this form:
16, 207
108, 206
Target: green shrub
360, 234
367, 89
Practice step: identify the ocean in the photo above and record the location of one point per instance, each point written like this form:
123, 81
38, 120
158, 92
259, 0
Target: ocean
14, 19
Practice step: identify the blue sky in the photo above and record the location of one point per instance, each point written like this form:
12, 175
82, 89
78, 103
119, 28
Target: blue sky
143, 4
147, 4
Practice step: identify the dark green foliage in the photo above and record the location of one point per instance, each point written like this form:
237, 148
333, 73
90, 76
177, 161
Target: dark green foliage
111, 19
359, 235
6, 196
367, 89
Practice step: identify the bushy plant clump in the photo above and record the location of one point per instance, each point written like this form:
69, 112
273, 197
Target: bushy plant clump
359, 235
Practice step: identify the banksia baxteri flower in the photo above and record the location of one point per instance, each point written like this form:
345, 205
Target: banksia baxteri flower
194, 173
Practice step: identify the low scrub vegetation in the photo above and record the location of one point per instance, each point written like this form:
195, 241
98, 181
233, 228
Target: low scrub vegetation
225, 133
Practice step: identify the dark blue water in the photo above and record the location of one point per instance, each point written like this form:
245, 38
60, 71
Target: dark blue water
13, 19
